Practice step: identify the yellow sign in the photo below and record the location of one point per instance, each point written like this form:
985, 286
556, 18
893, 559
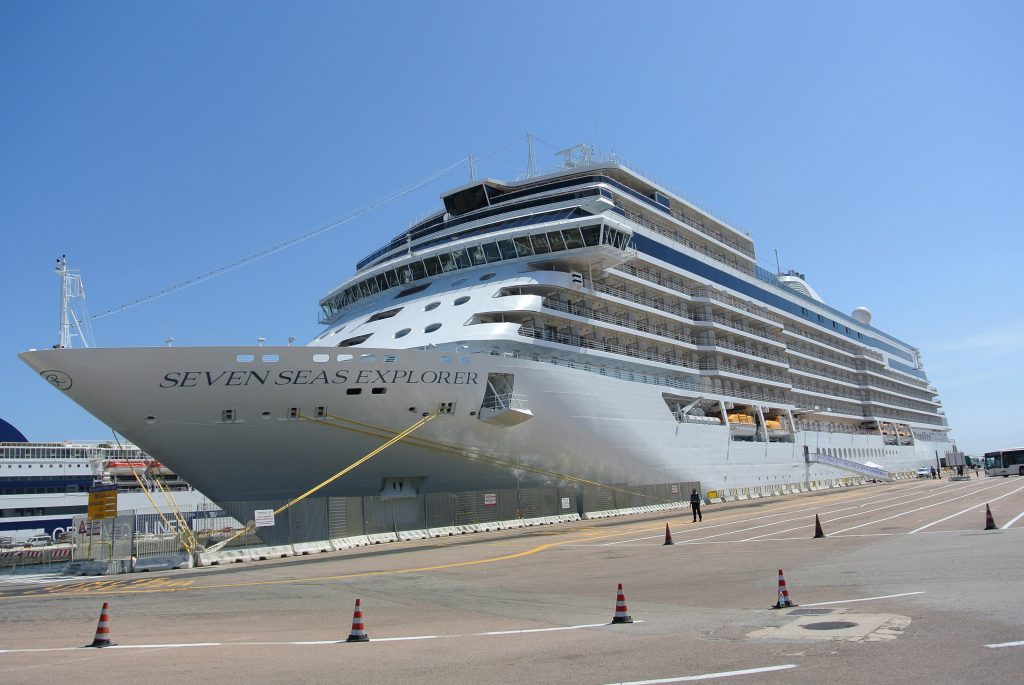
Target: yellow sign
103, 502
712, 494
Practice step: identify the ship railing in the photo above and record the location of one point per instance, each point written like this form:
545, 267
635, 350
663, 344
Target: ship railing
675, 237
800, 384
826, 374
505, 401
909, 380
587, 312
721, 320
818, 355
724, 298
846, 464
828, 427
624, 294
695, 224
692, 385
594, 343
822, 340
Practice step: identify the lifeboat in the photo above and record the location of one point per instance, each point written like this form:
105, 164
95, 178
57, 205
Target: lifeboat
125, 467
776, 429
888, 434
742, 425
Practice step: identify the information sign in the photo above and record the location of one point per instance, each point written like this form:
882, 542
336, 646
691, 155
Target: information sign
102, 502
264, 518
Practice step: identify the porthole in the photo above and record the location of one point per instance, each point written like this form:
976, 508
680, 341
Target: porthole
378, 391
431, 328
402, 333
353, 391
151, 420
462, 300
488, 276
432, 305
265, 415
457, 282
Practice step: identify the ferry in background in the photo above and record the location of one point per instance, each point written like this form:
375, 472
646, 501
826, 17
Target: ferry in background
583, 324
44, 484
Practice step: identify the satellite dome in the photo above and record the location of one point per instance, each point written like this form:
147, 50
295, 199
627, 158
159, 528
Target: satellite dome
862, 315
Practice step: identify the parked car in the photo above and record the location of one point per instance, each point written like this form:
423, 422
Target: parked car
924, 473
40, 540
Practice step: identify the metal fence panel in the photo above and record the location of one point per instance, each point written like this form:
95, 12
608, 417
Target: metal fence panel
530, 504
508, 504
438, 510
566, 500
307, 520
337, 517
377, 516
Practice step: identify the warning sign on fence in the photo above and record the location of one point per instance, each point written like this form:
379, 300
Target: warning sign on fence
264, 518
490, 499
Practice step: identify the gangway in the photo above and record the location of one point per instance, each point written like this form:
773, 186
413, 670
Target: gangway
845, 464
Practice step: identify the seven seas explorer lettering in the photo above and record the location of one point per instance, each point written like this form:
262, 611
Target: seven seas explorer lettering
193, 379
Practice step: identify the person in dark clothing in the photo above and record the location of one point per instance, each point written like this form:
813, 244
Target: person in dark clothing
695, 505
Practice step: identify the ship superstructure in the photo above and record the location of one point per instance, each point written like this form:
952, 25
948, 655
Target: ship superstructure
43, 485
587, 322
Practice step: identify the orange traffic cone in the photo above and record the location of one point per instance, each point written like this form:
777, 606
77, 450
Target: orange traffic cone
621, 612
784, 601
818, 532
102, 638
990, 523
358, 629
668, 536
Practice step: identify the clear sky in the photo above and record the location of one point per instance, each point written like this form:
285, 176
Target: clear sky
877, 146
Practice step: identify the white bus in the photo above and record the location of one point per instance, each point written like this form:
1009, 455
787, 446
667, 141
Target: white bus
1005, 462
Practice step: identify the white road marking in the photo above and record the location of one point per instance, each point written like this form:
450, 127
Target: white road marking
709, 676
864, 599
1006, 644
38, 579
1012, 521
911, 511
980, 504
900, 502
178, 645
815, 507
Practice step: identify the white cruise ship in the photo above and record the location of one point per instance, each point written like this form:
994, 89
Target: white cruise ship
587, 324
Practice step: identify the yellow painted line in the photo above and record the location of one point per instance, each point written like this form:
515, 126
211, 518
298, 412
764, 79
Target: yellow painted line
113, 587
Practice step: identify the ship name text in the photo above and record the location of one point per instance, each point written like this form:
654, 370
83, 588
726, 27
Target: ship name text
196, 379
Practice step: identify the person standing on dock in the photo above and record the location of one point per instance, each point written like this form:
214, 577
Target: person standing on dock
695, 505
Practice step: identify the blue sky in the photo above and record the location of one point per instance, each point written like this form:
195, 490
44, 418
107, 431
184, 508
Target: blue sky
877, 146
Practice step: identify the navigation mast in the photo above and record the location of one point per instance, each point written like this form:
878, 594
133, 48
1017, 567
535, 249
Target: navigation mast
70, 288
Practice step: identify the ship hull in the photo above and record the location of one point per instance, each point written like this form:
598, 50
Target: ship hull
252, 424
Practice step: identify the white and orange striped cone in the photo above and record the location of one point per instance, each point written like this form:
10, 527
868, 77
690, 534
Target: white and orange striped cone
621, 611
358, 629
784, 602
102, 638
668, 536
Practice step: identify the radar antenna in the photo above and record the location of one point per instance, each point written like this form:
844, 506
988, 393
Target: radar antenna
71, 288
577, 155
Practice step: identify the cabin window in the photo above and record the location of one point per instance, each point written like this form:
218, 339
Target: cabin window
384, 315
